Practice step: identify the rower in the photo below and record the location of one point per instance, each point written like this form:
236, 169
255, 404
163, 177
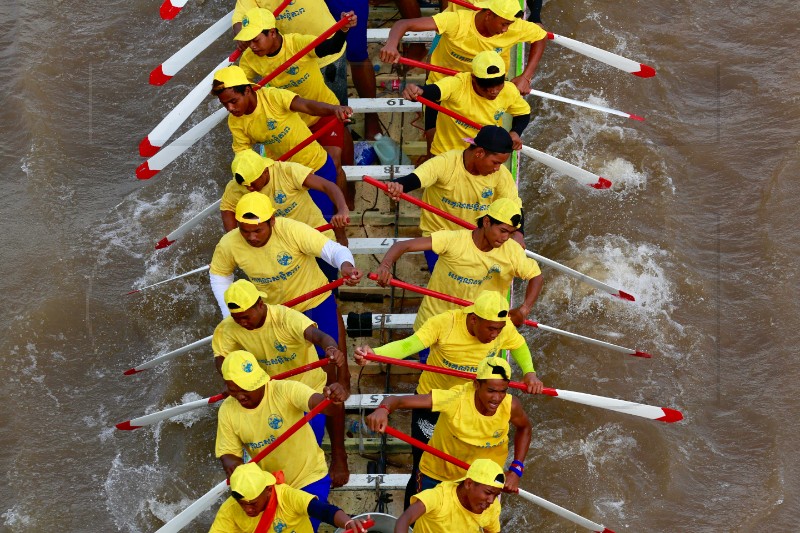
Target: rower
483, 95
279, 256
461, 182
459, 339
473, 260
258, 411
268, 49
287, 184
468, 504
271, 116
261, 499
473, 424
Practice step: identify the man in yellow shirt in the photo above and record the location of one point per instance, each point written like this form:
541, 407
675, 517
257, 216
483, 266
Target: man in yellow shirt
268, 49
469, 504
473, 424
288, 185
260, 499
283, 339
483, 96
473, 260
461, 182
459, 339
271, 117
258, 411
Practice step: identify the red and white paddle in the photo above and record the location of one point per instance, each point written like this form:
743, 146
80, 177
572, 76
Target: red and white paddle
170, 8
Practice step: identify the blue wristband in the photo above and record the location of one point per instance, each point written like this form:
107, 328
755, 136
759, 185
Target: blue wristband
520, 464
516, 470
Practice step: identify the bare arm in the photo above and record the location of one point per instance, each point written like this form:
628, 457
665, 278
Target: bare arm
522, 440
395, 251
523, 81
532, 291
409, 516
389, 53
320, 109
228, 220
230, 462
342, 216
379, 418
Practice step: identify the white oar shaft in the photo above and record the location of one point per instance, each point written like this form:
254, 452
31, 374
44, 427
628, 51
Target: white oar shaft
604, 56
577, 173
182, 57
169, 355
195, 271
187, 226
587, 105
560, 511
190, 513
164, 414
663, 414
597, 284
590, 340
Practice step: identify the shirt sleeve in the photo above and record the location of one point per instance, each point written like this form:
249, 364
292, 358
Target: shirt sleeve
296, 174
295, 321
241, 141
518, 106
446, 22
431, 499
230, 197
432, 171
221, 342
445, 401
441, 241
222, 262
224, 521
228, 442
529, 31
434, 328
296, 393
449, 86
247, 66
282, 99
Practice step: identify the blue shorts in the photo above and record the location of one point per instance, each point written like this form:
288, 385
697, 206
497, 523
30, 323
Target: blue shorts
356, 36
320, 489
325, 315
318, 426
328, 172
430, 258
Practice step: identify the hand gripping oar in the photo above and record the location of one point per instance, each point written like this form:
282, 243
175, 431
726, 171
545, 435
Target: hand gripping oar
207, 340
160, 134
614, 60
152, 418
557, 509
170, 8
528, 322
659, 414
158, 162
583, 176
549, 262
540, 94
179, 521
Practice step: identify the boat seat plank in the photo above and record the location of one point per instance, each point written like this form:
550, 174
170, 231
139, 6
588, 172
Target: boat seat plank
379, 172
373, 245
368, 401
383, 105
376, 481
381, 35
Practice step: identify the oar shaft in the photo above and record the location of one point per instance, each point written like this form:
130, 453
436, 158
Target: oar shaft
310, 139
427, 66
195, 271
449, 112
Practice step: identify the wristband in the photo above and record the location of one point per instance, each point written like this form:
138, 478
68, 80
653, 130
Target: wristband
516, 470
384, 406
519, 464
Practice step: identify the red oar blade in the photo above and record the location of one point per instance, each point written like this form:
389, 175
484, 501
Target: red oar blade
169, 11
147, 149
157, 76
625, 296
645, 71
143, 171
670, 415
126, 426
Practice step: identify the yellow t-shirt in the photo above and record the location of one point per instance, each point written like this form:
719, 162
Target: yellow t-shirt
277, 127
278, 345
459, 96
301, 16
463, 432
452, 346
284, 268
288, 194
290, 516
451, 188
464, 271
284, 403
461, 42
444, 513
303, 78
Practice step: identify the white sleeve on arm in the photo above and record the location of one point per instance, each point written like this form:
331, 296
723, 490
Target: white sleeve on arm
219, 284
335, 254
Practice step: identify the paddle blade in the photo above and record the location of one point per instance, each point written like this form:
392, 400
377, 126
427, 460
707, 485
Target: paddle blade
131, 371
645, 71
670, 415
602, 183
163, 243
606, 530
126, 426
143, 171
146, 148
157, 76
642, 354
168, 11
625, 296
635, 117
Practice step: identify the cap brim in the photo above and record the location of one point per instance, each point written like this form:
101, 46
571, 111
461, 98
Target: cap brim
247, 34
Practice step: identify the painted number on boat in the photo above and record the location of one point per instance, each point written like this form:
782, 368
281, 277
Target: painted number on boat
372, 479
391, 170
389, 241
396, 101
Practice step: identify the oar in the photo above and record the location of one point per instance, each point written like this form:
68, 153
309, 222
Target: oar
158, 162
557, 509
179, 276
583, 176
207, 340
207, 500
549, 262
660, 414
152, 418
550, 96
166, 70
170, 8
528, 322
153, 142
622, 63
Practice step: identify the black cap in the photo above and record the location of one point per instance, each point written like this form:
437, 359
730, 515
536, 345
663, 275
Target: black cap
494, 139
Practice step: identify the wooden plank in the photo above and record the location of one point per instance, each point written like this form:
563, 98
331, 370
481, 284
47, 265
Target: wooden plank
375, 218
370, 445
379, 172
391, 321
376, 482
368, 401
384, 105
373, 245
381, 35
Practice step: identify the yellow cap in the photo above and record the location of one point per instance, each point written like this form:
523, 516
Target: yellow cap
232, 76
254, 22
489, 305
254, 208
242, 295
506, 9
483, 471
489, 368
250, 481
505, 210
242, 368
488, 64
249, 165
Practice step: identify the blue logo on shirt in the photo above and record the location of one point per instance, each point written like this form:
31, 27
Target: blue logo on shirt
293, 70
279, 525
272, 124
497, 433
487, 192
280, 347
494, 269
280, 197
275, 421
498, 114
284, 259
498, 50
247, 366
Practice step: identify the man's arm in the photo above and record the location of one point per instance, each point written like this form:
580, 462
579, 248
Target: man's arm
396, 350
523, 81
320, 109
532, 291
522, 441
409, 516
379, 418
229, 220
229, 463
384, 270
389, 53
342, 216
220, 284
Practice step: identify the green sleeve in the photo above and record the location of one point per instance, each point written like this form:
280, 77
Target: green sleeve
403, 348
522, 356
